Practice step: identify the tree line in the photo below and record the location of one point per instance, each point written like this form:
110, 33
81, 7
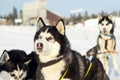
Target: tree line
12, 16
82, 17
73, 17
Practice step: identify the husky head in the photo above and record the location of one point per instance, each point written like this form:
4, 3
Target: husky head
50, 42
105, 24
12, 65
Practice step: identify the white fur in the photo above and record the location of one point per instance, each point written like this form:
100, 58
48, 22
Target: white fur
53, 72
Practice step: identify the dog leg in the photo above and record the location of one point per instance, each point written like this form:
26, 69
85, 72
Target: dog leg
104, 60
111, 46
101, 44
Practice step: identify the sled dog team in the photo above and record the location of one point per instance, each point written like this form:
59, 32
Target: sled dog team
53, 58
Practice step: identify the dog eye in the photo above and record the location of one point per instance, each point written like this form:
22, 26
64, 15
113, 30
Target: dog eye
49, 38
13, 75
21, 75
102, 24
107, 24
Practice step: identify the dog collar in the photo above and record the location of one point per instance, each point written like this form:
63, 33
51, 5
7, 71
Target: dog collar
50, 62
109, 35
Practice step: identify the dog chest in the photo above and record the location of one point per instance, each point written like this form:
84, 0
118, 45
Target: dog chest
53, 72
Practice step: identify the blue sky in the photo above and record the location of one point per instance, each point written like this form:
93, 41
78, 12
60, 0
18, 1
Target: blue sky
64, 7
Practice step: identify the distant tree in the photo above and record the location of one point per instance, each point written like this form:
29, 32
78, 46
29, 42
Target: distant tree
12, 16
103, 13
86, 16
21, 16
79, 18
119, 13
93, 16
15, 12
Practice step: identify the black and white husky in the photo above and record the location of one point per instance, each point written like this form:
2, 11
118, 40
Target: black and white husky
106, 41
12, 65
56, 60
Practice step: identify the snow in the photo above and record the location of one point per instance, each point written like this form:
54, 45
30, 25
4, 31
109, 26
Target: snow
17, 37
82, 38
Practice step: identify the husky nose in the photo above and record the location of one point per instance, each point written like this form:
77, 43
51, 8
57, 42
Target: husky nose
104, 29
39, 45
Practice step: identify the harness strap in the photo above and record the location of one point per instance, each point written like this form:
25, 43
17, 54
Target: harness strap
88, 69
50, 62
109, 35
62, 77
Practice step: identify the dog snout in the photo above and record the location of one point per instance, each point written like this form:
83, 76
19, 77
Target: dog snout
104, 29
39, 45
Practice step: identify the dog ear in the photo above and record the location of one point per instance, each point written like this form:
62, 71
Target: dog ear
40, 23
5, 56
61, 26
27, 62
99, 17
110, 17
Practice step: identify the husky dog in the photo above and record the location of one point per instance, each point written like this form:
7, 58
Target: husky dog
106, 41
12, 65
57, 61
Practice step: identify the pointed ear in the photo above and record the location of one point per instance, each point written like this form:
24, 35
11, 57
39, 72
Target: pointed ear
110, 17
27, 62
99, 17
40, 23
5, 56
61, 27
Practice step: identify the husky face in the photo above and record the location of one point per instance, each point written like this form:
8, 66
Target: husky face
49, 41
16, 74
46, 44
105, 24
12, 66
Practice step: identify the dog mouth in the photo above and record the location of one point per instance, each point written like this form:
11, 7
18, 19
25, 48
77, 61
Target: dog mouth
39, 46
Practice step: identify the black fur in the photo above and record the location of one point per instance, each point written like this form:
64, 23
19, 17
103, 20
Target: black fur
32, 66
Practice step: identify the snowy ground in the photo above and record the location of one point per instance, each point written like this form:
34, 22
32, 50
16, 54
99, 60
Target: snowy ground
82, 38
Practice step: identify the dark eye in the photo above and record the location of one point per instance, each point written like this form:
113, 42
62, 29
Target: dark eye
13, 75
21, 75
107, 24
49, 38
102, 24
